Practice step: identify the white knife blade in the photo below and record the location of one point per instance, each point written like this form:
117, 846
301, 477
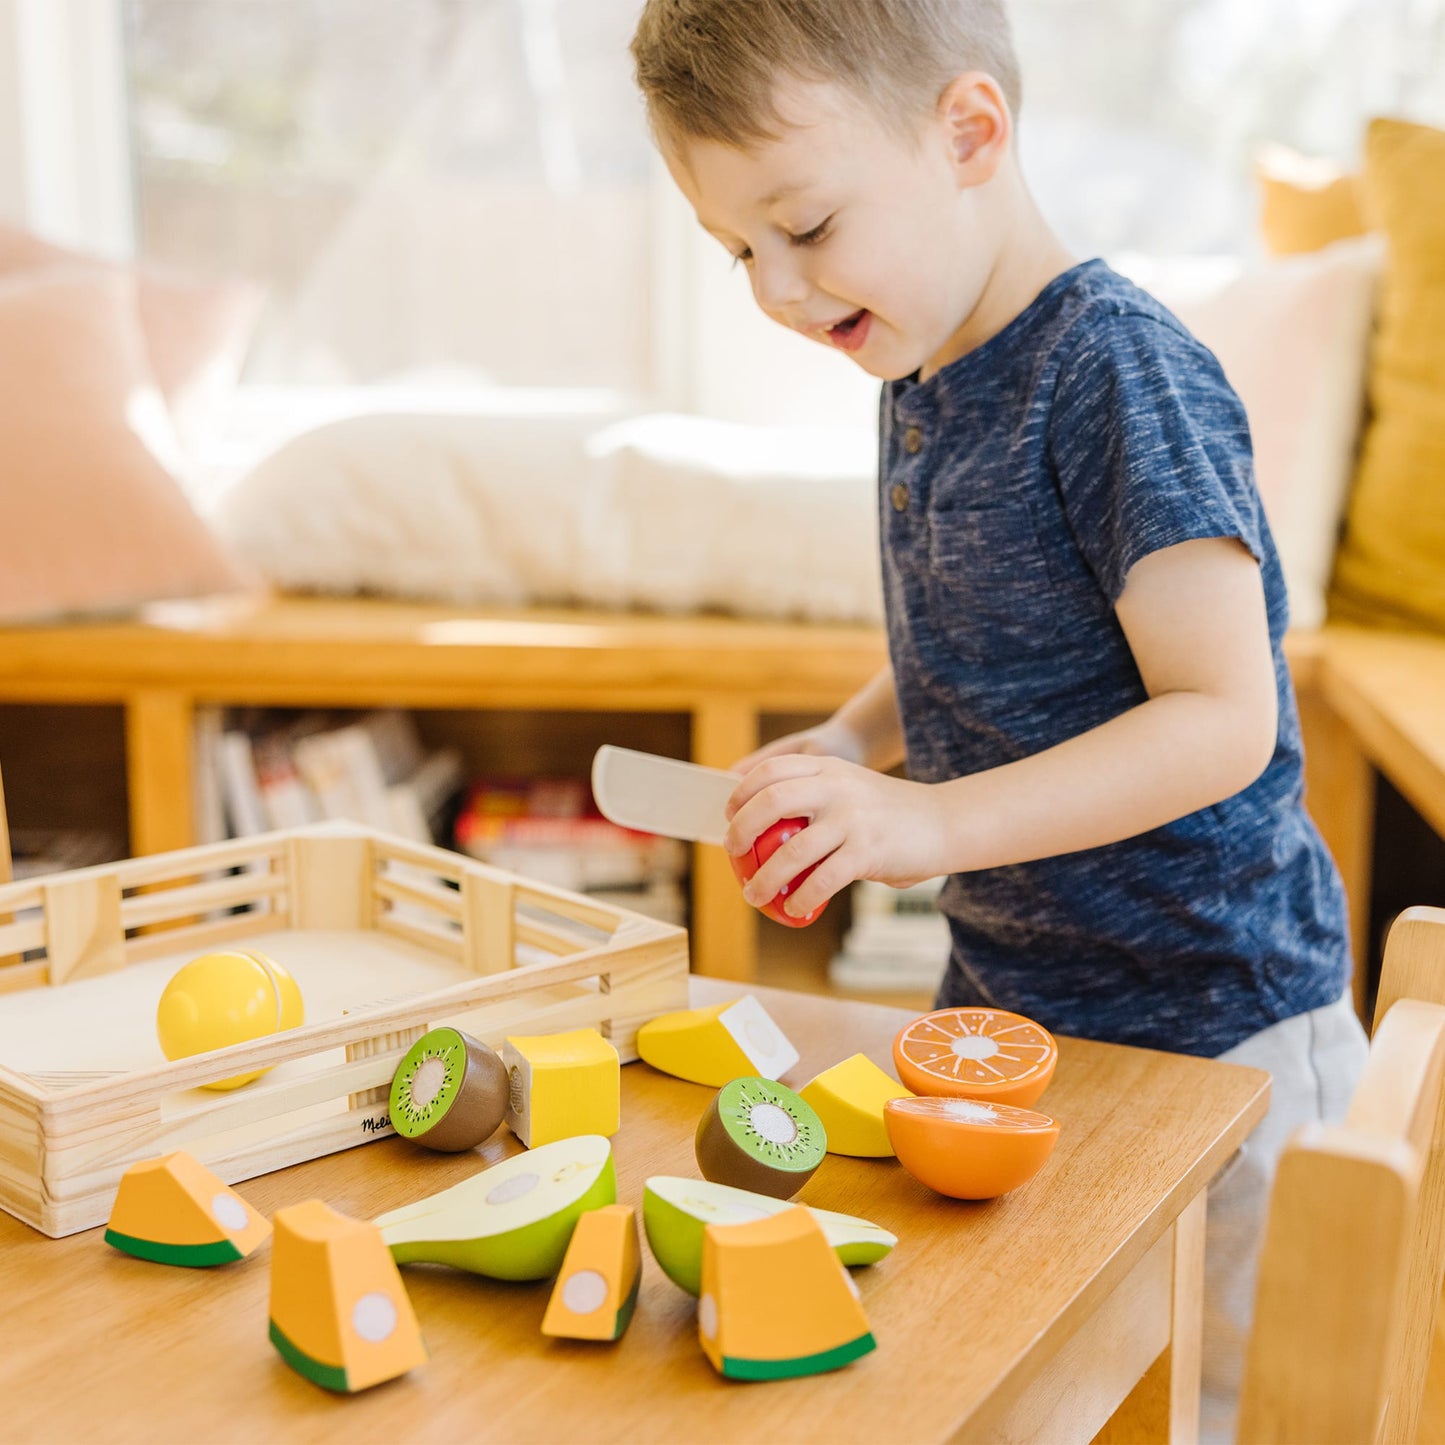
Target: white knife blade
661, 795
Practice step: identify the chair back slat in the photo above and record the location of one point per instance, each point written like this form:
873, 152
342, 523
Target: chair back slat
1350, 1273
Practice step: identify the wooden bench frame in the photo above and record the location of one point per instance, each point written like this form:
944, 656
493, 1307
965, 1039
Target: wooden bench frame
1368, 700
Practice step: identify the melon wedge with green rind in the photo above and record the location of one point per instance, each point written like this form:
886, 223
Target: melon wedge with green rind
512, 1221
675, 1211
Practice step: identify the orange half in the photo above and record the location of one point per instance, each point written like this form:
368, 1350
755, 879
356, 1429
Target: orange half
966, 1148
976, 1053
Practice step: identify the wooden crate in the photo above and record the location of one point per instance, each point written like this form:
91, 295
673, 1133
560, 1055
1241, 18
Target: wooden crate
386, 939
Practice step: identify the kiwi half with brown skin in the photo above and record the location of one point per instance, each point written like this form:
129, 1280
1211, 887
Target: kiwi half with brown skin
759, 1135
450, 1091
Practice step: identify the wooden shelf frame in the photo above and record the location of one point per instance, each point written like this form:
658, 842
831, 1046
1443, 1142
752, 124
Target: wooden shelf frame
1368, 700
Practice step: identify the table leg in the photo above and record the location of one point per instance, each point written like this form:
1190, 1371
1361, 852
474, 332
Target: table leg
160, 771
1164, 1405
724, 928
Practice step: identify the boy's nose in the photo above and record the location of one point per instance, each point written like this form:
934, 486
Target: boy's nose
778, 285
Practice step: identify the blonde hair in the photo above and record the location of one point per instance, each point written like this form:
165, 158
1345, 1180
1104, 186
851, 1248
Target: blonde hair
708, 69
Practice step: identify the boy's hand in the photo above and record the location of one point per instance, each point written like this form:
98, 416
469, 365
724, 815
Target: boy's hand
861, 824
831, 739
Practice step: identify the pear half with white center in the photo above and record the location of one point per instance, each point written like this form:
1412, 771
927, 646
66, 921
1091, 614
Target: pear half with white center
512, 1221
675, 1211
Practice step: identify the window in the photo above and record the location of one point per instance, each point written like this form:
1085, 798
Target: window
467, 185
455, 185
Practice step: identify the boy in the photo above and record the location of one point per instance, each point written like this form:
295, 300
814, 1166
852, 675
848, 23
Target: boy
1084, 605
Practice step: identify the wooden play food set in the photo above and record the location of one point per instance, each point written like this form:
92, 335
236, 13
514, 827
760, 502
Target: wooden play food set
976, 1053
714, 1044
449, 1093
562, 1084
849, 1099
675, 1212
512, 1221
759, 1135
385, 939
340, 1314
968, 1149
597, 1287
226, 998
173, 1210
775, 1302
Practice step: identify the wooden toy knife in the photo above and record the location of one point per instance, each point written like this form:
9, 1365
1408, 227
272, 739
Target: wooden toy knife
661, 795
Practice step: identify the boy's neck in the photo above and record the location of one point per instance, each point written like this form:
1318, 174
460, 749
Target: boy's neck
1027, 259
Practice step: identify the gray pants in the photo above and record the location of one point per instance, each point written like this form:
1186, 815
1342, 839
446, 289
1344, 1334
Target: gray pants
1315, 1060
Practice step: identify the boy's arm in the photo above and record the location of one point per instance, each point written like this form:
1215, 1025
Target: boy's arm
1195, 619
865, 730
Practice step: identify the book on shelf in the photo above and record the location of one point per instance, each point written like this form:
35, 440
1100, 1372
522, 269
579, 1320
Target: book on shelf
898, 940
269, 772
549, 829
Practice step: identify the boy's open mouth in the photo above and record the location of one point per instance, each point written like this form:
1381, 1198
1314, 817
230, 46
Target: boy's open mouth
851, 332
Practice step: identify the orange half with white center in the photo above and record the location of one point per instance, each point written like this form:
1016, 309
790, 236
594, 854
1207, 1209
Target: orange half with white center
968, 1149
976, 1053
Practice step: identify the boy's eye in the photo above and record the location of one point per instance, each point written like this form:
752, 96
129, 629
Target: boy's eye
811, 238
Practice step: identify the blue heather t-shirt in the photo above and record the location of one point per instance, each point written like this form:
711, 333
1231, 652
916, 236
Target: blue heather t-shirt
1019, 485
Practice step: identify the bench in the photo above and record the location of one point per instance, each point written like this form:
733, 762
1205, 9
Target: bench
1369, 700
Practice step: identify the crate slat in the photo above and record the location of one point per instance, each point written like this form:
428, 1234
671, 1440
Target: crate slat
144, 909
199, 937
446, 901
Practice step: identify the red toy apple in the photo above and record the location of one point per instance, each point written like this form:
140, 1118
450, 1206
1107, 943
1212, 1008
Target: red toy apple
764, 846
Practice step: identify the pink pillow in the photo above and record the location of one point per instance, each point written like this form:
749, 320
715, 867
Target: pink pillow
89, 519
196, 332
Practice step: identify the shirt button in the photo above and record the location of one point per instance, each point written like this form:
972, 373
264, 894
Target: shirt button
913, 441
899, 497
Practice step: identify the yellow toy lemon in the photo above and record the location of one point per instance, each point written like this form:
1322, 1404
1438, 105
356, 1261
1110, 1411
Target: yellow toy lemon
226, 998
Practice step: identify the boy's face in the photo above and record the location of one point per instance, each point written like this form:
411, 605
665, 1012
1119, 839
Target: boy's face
850, 236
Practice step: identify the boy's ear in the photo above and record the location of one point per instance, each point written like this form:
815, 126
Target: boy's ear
977, 126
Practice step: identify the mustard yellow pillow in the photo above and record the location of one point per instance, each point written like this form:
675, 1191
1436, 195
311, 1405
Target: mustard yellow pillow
1391, 564
1305, 202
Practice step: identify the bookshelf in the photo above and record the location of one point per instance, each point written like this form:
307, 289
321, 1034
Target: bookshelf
99, 718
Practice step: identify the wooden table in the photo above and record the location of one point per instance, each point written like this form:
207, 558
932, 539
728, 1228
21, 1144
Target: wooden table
1028, 1318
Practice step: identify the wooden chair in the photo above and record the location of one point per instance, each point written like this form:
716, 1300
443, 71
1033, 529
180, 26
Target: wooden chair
1350, 1274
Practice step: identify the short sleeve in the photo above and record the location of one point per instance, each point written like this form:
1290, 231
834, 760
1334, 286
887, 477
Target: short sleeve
1149, 445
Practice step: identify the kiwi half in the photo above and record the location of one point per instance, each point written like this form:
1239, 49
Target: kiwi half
759, 1135
450, 1091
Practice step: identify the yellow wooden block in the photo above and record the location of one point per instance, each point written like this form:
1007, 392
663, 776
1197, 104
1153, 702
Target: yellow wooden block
849, 1099
562, 1085
176, 1211
340, 1314
775, 1300
715, 1044
597, 1287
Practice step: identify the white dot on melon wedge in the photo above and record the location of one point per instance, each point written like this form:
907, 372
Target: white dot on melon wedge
373, 1317
584, 1292
513, 1188
707, 1316
229, 1212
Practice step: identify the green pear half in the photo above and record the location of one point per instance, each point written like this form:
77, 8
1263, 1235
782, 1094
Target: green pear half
675, 1211
512, 1221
